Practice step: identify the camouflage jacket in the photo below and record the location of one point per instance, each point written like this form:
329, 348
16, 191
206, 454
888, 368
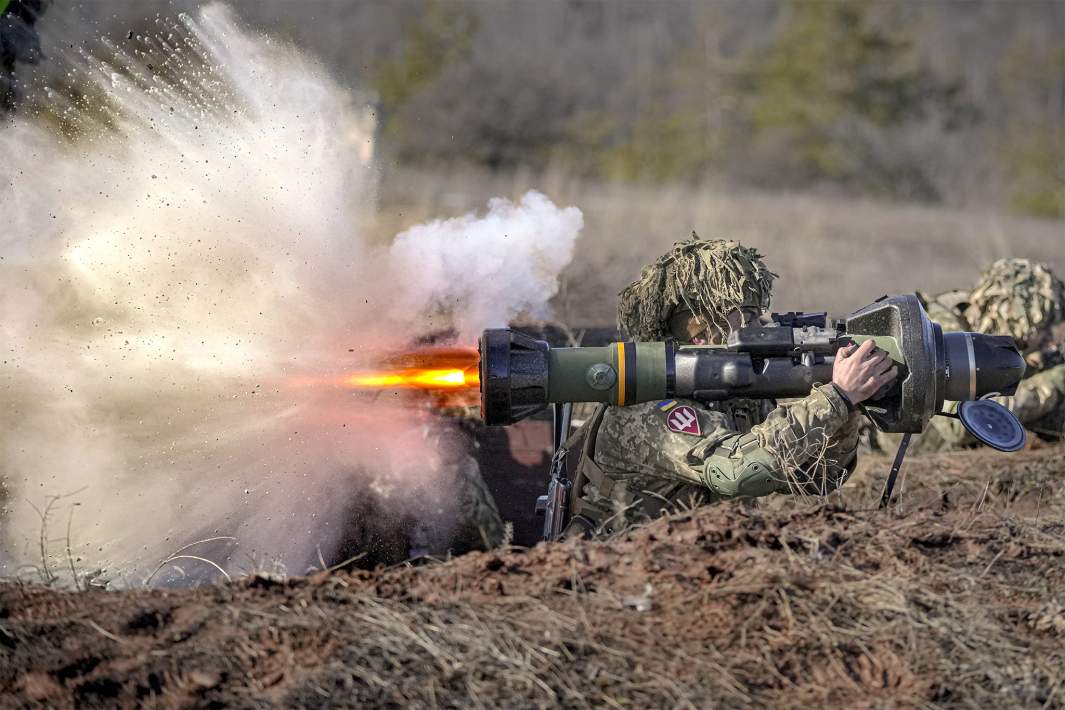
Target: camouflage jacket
654, 457
1039, 402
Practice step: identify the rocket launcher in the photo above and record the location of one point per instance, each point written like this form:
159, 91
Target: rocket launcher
520, 376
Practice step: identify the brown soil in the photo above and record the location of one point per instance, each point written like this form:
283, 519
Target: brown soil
954, 598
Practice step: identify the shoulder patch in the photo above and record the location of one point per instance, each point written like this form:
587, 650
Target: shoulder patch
683, 420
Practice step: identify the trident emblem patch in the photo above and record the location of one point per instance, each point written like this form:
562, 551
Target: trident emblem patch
683, 420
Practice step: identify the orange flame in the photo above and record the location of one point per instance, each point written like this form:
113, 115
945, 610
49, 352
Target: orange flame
446, 369
426, 379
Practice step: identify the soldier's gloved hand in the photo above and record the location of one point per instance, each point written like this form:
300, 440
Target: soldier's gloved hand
858, 372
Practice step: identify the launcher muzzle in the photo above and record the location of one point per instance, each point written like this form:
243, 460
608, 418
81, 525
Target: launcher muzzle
520, 376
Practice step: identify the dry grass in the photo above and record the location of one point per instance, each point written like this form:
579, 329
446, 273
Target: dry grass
952, 599
832, 253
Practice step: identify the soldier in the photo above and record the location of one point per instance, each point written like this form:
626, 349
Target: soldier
640, 461
1023, 299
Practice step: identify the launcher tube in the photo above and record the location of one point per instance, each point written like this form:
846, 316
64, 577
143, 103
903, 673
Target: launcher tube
628, 373
519, 375
619, 373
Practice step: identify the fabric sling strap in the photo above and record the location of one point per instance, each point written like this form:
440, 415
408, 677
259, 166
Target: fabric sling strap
586, 469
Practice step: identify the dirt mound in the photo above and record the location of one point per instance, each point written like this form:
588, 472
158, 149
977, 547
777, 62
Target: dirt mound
953, 598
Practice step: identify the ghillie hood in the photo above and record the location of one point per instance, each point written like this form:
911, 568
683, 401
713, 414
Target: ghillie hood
1017, 297
709, 278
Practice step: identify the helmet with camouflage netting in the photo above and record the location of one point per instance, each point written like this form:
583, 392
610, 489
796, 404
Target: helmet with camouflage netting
708, 278
1017, 297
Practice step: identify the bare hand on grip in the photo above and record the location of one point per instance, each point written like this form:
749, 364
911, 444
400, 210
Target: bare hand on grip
859, 371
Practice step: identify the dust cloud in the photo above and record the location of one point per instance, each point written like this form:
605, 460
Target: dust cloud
182, 283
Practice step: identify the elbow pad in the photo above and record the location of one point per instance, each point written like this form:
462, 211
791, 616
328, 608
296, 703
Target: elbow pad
751, 475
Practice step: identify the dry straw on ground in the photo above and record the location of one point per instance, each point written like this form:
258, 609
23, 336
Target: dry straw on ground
951, 599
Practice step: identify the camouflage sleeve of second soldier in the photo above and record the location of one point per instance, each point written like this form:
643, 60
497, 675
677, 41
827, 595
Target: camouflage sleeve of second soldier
1040, 395
805, 446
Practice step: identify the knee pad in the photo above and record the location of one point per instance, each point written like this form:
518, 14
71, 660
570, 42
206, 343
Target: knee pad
751, 475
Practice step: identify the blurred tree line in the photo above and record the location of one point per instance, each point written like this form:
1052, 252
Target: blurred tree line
958, 102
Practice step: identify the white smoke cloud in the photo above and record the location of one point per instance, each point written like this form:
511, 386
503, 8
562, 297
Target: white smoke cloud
177, 288
485, 270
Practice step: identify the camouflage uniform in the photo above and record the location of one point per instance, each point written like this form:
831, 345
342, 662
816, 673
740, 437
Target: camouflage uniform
634, 466
478, 525
1027, 301
474, 523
